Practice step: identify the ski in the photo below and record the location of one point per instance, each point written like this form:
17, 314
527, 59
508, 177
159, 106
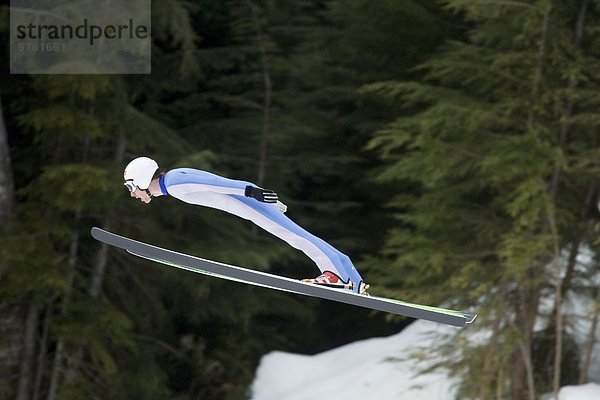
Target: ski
263, 279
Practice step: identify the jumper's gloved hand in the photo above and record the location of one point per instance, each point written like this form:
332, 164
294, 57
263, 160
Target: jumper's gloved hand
282, 207
262, 195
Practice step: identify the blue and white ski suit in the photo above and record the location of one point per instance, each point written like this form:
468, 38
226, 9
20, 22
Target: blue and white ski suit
210, 190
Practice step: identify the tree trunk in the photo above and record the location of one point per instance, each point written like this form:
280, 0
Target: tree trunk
525, 348
491, 362
264, 134
10, 321
558, 304
589, 349
101, 262
560, 285
537, 73
564, 284
522, 380
42, 357
27, 368
59, 354
523, 383
99, 272
7, 188
268, 88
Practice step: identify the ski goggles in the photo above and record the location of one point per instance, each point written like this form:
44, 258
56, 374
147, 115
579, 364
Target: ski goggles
130, 186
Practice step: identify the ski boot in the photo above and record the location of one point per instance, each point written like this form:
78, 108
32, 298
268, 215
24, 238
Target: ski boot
331, 280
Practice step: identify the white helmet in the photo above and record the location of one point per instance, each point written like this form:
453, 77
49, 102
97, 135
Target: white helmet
139, 173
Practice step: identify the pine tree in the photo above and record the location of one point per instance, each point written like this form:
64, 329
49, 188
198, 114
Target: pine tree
490, 140
72, 126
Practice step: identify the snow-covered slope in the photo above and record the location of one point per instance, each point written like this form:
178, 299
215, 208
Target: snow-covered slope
590, 391
377, 368
369, 369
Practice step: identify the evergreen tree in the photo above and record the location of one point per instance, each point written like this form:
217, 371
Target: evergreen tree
74, 127
491, 161
490, 140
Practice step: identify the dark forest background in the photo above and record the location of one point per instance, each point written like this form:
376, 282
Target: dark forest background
450, 148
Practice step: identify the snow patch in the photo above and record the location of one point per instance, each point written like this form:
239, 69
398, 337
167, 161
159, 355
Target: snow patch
590, 391
375, 368
381, 368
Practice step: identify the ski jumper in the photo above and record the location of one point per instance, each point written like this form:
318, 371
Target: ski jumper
205, 189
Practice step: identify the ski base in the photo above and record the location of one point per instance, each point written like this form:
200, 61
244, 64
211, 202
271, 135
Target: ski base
263, 279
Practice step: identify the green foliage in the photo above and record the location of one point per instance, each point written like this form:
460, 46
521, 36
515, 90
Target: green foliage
71, 187
451, 163
37, 268
172, 23
483, 138
82, 325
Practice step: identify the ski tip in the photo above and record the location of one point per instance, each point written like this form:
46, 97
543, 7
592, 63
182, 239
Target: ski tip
99, 234
470, 318
94, 232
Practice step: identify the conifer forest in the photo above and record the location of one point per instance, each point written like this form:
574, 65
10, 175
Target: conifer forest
451, 148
